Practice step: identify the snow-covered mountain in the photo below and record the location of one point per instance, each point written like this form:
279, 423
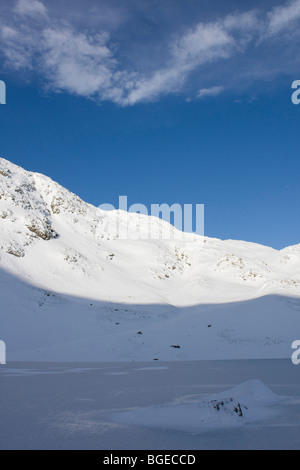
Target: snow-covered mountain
71, 289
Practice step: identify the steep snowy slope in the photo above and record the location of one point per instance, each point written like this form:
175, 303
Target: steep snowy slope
58, 254
53, 239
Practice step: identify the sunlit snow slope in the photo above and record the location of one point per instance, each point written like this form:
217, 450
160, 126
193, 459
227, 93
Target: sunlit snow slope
71, 289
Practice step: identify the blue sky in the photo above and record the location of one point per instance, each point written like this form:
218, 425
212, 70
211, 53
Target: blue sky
172, 101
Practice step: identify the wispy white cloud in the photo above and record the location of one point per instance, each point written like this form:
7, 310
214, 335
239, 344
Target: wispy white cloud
198, 46
212, 91
201, 45
17, 48
30, 8
90, 63
75, 62
283, 17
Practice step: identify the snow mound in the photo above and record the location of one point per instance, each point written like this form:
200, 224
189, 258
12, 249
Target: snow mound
245, 404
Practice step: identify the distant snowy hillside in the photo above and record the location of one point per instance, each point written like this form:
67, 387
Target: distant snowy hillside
62, 264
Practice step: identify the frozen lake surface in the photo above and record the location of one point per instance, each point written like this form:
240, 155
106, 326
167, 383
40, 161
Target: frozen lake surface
151, 406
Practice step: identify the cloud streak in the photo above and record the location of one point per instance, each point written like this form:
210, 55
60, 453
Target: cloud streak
30, 8
284, 17
213, 91
90, 63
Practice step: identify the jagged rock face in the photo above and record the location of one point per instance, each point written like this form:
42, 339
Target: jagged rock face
54, 239
28, 203
42, 228
24, 211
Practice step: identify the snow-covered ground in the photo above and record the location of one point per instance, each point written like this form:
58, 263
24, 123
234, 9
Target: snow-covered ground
252, 404
38, 324
72, 290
